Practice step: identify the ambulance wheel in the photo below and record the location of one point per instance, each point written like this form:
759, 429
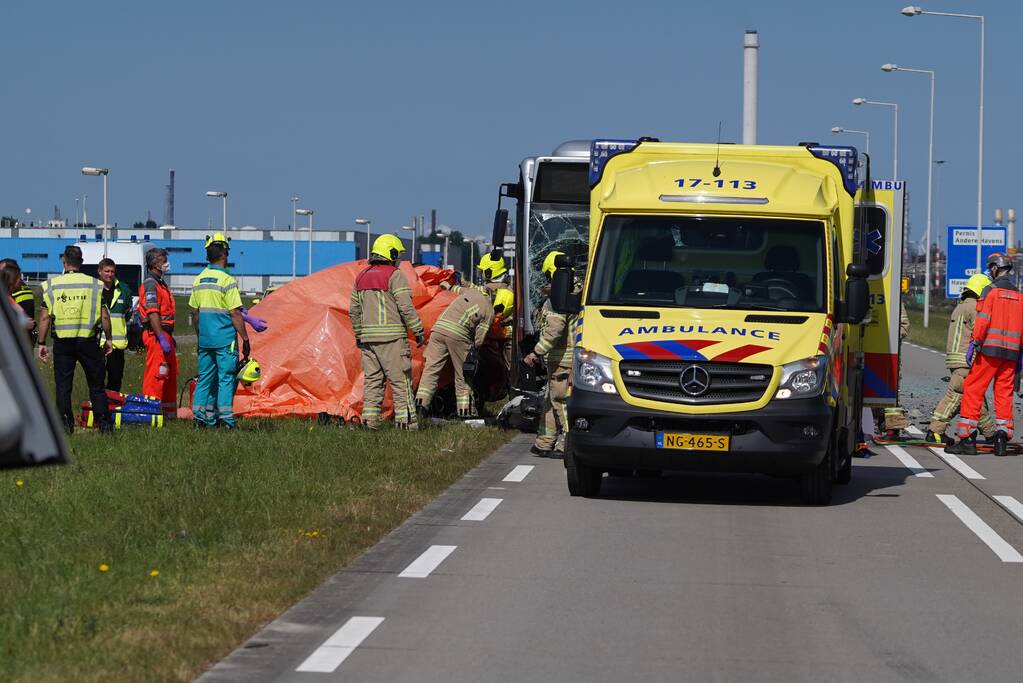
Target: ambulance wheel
844, 475
815, 486
583, 480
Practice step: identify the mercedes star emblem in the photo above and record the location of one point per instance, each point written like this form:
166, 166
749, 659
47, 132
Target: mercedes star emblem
694, 380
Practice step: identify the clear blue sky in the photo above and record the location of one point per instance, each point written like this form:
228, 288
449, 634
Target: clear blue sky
390, 109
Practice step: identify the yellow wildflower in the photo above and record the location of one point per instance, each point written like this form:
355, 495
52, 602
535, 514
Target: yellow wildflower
154, 573
104, 567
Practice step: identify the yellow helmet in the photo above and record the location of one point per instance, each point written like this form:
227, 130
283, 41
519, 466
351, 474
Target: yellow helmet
503, 300
492, 266
218, 237
977, 283
548, 263
249, 372
388, 247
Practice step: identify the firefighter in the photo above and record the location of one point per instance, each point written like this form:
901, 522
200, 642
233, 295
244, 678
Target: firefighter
462, 326
117, 300
219, 320
556, 347
996, 341
381, 311
73, 302
22, 295
157, 308
960, 331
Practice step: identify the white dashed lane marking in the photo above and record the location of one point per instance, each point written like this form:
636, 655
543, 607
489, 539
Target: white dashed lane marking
998, 545
519, 473
909, 461
957, 464
329, 656
424, 565
481, 510
1012, 505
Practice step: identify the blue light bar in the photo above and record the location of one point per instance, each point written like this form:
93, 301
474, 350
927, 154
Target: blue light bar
603, 150
847, 160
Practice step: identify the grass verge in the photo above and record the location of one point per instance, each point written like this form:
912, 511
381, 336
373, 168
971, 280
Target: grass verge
236, 526
934, 336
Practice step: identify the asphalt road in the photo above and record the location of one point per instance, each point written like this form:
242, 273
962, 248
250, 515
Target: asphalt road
912, 574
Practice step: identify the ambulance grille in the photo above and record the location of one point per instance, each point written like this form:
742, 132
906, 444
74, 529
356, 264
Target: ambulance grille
661, 380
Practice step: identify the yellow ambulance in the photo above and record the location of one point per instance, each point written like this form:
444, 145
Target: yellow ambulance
739, 309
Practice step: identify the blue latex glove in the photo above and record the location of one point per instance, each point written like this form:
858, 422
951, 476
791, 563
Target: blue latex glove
258, 324
970, 350
165, 343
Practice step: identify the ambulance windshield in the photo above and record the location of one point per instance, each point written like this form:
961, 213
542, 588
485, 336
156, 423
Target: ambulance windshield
736, 263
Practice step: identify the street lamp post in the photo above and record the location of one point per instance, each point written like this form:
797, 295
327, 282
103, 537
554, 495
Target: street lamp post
888, 68
866, 134
95, 170
223, 196
412, 258
895, 155
308, 212
913, 11
294, 229
366, 222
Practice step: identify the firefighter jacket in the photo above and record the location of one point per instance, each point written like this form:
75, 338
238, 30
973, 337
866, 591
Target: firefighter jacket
555, 337
75, 302
960, 332
489, 289
381, 306
999, 323
903, 322
468, 318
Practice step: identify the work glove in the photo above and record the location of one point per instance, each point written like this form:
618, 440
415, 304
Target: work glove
246, 349
165, 343
258, 324
420, 340
969, 353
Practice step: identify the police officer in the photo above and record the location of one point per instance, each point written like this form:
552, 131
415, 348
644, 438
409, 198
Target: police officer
463, 325
157, 308
23, 296
72, 303
117, 300
996, 339
960, 331
556, 346
381, 311
218, 320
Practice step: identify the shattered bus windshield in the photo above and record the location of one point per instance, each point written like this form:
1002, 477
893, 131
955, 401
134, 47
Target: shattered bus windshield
555, 227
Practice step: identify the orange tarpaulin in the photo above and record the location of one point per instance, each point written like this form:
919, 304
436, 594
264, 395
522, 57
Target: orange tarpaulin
310, 363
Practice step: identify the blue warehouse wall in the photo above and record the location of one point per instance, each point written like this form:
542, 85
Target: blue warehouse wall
35, 254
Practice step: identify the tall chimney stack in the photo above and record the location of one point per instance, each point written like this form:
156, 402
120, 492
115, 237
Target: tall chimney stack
750, 53
1010, 233
169, 217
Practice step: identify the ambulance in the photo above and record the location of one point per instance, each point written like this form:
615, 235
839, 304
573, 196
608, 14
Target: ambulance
740, 308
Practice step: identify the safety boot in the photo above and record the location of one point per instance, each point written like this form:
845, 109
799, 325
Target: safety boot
936, 438
965, 446
1001, 443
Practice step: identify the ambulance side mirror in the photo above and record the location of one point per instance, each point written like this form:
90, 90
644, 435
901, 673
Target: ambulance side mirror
857, 294
563, 299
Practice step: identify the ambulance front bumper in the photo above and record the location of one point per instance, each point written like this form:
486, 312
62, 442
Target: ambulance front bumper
786, 437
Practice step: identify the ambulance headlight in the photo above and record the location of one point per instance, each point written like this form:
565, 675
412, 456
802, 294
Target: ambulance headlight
592, 372
803, 378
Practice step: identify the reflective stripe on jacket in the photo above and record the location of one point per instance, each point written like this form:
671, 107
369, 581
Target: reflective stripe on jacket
75, 302
960, 331
999, 327
214, 295
381, 305
467, 318
155, 297
554, 337
117, 300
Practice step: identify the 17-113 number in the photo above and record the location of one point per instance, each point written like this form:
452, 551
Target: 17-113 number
719, 183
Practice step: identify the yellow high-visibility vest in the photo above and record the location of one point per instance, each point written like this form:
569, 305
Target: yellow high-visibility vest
118, 325
74, 301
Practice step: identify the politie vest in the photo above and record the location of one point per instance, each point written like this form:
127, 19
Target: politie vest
74, 301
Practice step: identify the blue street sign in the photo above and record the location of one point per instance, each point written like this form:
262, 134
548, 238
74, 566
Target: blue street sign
962, 254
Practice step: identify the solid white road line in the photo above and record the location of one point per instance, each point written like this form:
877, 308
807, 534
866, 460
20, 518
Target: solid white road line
985, 533
328, 657
1012, 505
957, 464
427, 562
519, 473
481, 510
909, 461
914, 430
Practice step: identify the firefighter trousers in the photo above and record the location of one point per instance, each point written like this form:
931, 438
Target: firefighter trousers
383, 362
986, 370
439, 351
554, 424
948, 406
213, 400
160, 377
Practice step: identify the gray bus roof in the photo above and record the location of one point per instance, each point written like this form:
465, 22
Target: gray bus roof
573, 148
